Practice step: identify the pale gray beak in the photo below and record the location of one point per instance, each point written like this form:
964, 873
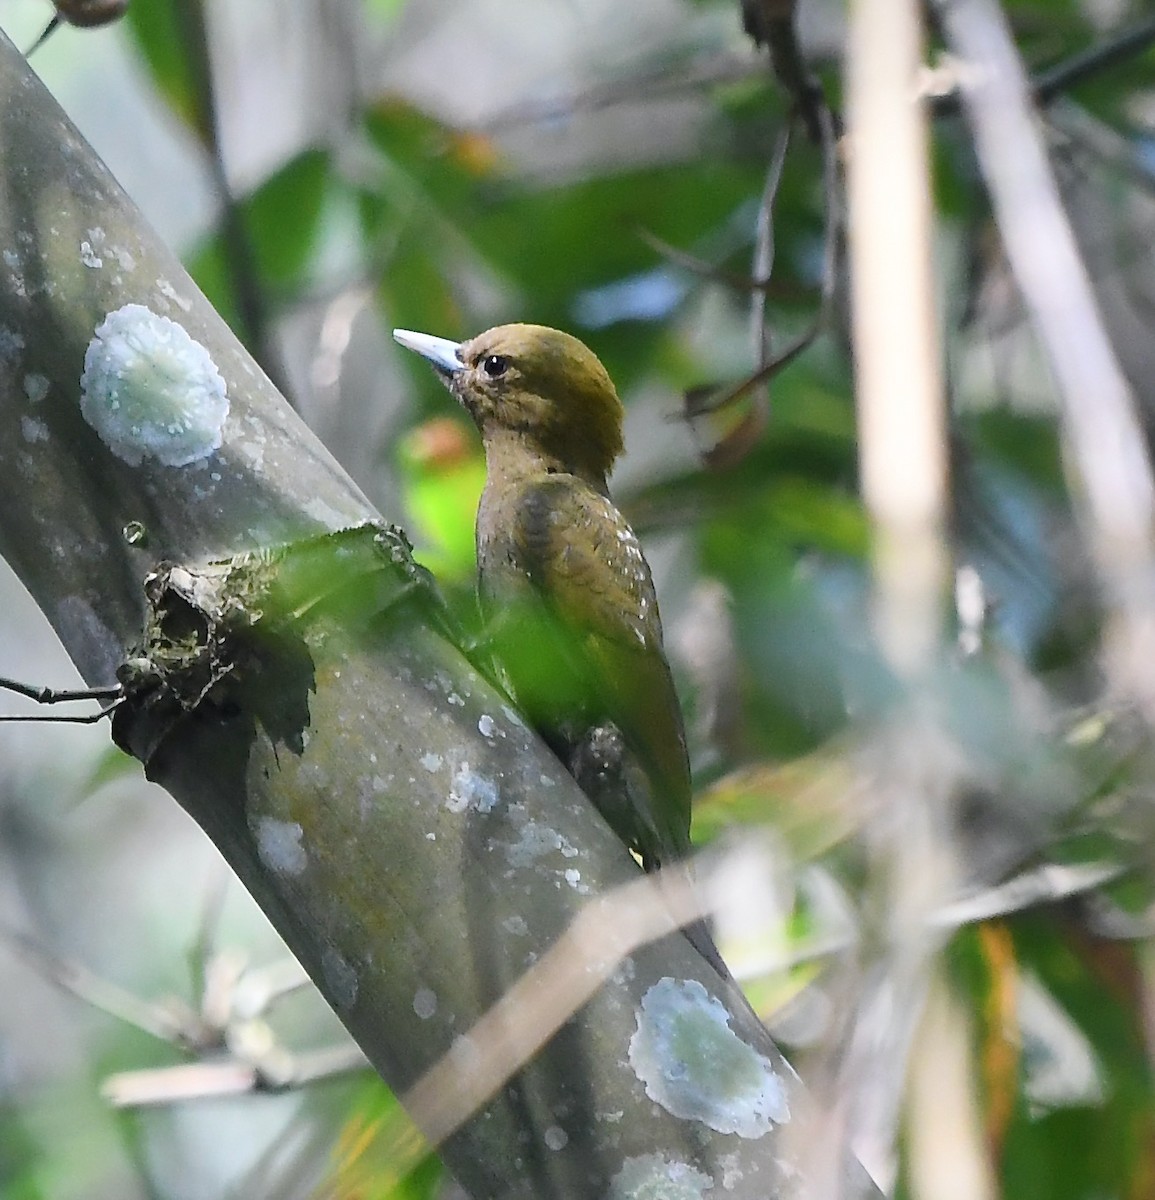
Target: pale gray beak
441, 352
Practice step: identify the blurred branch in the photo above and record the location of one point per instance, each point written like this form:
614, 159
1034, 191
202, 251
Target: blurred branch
666, 80
1050, 84
160, 1021
1078, 128
763, 259
903, 450
229, 1077
238, 257
771, 23
946, 1146
903, 469
1103, 433
1047, 884
1063, 76
567, 976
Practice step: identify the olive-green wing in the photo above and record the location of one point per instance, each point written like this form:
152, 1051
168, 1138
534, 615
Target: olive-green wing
584, 559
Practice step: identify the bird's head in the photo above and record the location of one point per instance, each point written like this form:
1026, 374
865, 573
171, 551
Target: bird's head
533, 382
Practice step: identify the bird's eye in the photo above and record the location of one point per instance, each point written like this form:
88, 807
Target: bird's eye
495, 365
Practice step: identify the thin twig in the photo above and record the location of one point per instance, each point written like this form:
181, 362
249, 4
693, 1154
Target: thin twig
1080, 67
228, 1077
646, 85
82, 983
706, 402
700, 266
762, 266
48, 696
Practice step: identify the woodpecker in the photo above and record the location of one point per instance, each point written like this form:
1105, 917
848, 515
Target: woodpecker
566, 593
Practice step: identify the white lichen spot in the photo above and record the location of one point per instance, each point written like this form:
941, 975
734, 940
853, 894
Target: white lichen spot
425, 1003
656, 1177
33, 430
341, 980
486, 725
732, 1173
11, 345
574, 879
455, 699
253, 453
696, 1067
470, 789
515, 925
611, 1118
536, 840
556, 1138
12, 259
279, 845
124, 259
513, 716
89, 257
151, 391
431, 762
170, 293
35, 387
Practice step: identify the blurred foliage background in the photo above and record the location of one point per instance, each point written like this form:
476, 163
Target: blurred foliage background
334, 168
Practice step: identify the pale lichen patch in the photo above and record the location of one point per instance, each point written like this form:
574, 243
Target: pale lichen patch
556, 1138
151, 391
89, 257
33, 430
574, 878
170, 293
656, 1177
279, 845
11, 345
696, 1067
425, 1003
35, 387
537, 840
470, 789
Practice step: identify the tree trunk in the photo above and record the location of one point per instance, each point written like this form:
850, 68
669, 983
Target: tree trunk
288, 682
